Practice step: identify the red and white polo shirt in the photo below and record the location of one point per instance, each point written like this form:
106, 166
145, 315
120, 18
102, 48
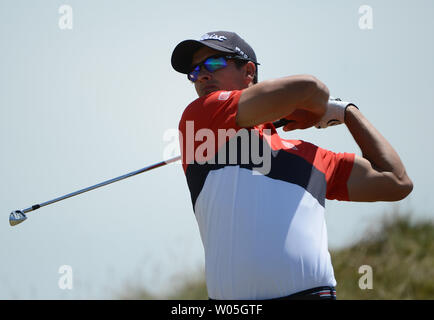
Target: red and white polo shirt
264, 232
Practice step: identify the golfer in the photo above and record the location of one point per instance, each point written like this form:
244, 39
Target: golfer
264, 232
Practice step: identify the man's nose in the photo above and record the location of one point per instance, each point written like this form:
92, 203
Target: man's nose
204, 74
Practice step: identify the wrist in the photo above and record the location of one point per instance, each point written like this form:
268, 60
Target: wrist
336, 113
351, 108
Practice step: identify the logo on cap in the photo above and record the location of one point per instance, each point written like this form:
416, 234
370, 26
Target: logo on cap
241, 53
214, 36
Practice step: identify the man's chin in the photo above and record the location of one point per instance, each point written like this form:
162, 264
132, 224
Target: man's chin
209, 90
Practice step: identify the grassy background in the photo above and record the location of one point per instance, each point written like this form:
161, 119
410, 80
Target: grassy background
400, 252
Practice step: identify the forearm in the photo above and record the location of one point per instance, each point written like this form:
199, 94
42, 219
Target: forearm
275, 99
375, 148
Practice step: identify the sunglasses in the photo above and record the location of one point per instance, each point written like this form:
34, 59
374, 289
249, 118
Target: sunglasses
211, 64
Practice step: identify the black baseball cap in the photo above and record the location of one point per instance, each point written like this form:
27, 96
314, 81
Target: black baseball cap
224, 41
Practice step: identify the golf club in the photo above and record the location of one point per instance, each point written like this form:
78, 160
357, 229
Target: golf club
18, 216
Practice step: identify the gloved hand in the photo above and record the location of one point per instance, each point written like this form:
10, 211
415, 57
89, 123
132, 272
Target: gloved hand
335, 113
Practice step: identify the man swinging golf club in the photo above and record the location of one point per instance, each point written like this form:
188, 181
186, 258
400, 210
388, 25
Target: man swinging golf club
264, 234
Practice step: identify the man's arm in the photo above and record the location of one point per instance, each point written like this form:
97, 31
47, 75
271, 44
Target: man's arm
271, 100
379, 175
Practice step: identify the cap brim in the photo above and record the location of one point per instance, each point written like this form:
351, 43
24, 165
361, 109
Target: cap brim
182, 55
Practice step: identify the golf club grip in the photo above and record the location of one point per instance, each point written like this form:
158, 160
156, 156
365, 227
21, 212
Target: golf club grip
281, 123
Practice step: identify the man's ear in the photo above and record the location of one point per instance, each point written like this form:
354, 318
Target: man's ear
250, 71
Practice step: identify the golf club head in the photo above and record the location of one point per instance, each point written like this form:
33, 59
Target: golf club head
16, 217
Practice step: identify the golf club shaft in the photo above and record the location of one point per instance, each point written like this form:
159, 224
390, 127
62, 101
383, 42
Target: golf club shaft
277, 124
72, 194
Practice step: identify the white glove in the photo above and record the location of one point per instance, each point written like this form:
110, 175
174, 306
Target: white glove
335, 113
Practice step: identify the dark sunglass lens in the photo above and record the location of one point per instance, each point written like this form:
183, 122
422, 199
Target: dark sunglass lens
192, 76
213, 64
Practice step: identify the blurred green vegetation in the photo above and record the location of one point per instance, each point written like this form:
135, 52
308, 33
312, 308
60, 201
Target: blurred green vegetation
400, 253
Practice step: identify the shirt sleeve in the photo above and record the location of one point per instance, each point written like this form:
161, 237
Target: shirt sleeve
222, 108
337, 168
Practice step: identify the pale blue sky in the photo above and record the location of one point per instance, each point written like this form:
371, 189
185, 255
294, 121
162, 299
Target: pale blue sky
84, 105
